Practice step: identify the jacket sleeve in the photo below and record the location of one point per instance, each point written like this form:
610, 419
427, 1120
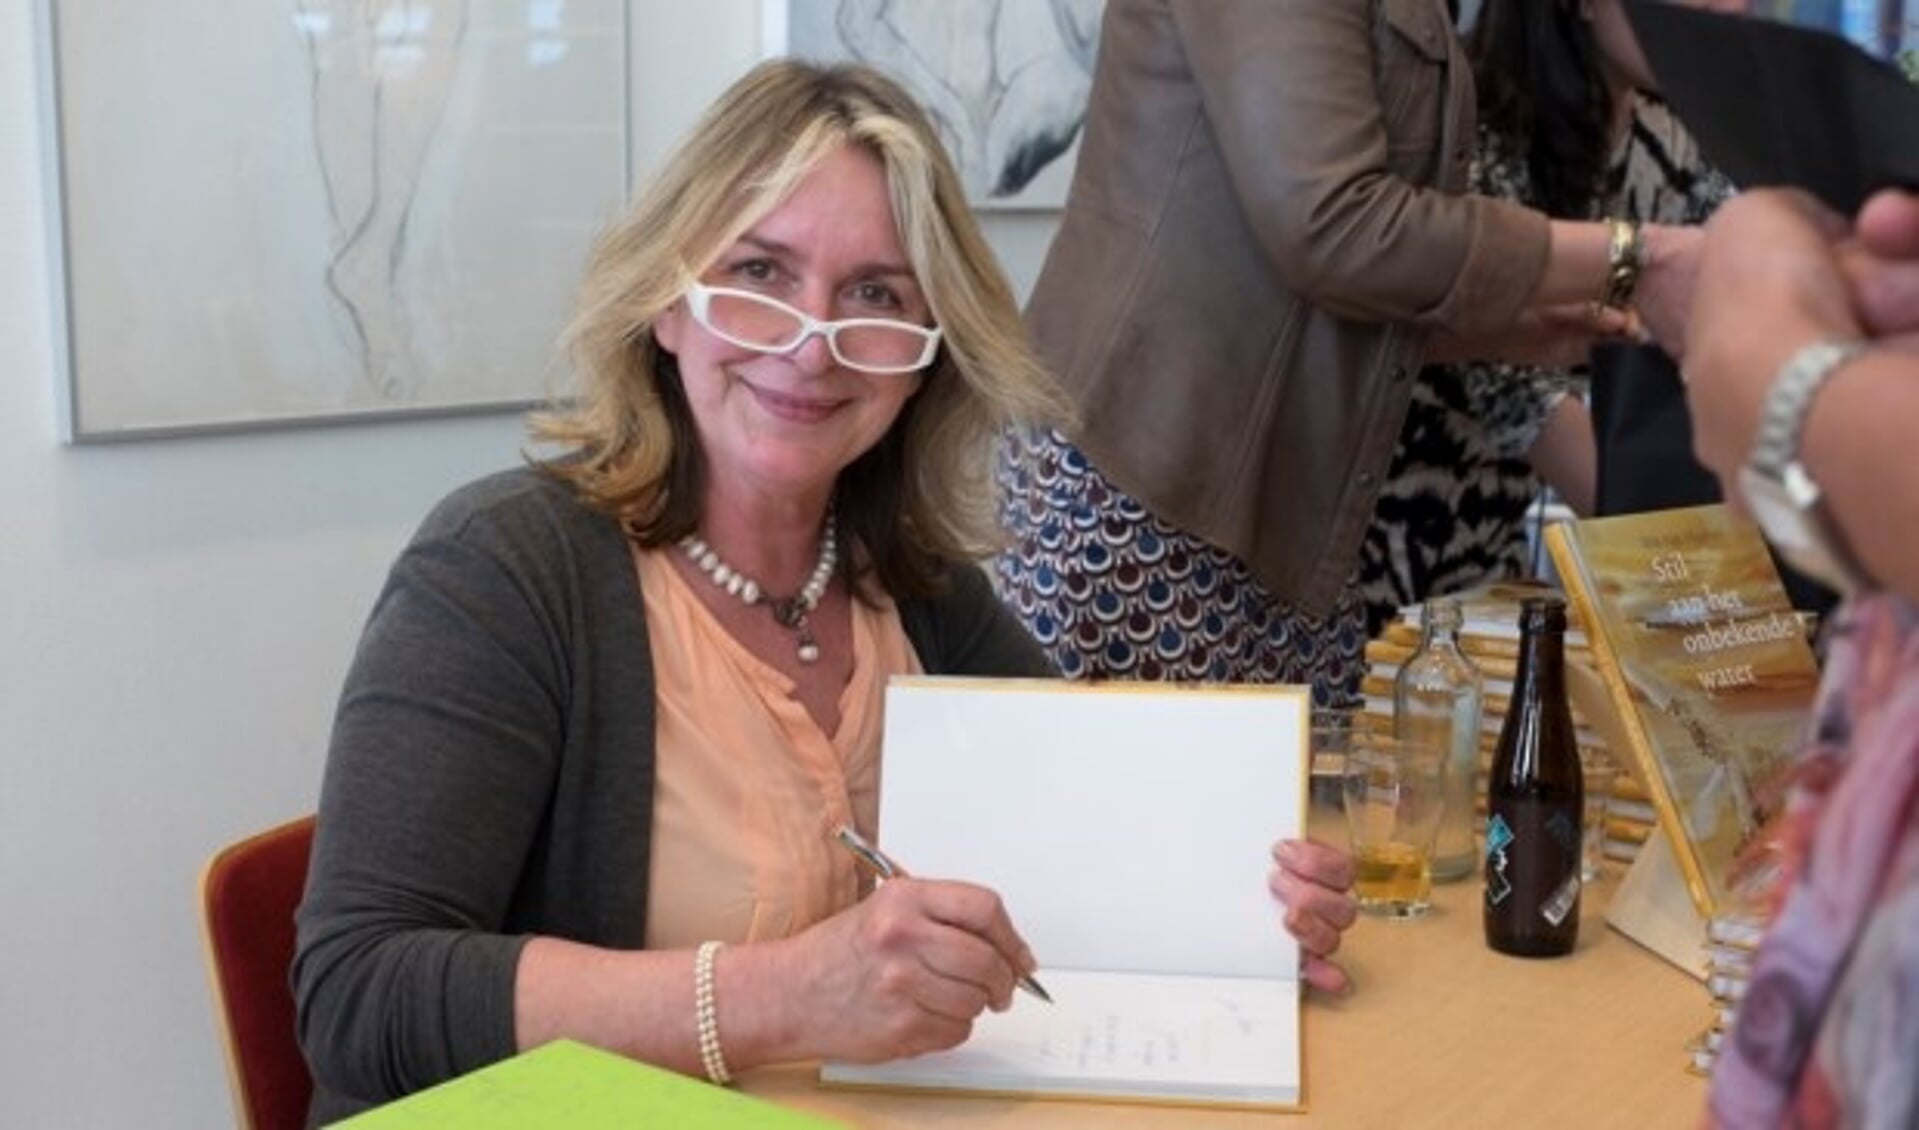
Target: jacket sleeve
1290, 91
438, 777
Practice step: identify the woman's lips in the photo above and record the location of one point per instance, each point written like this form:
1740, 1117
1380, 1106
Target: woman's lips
798, 409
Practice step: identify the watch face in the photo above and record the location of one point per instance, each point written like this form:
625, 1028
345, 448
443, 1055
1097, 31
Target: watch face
1785, 525
1792, 528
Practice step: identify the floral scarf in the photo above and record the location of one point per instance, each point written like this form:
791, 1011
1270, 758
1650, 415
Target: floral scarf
1828, 1031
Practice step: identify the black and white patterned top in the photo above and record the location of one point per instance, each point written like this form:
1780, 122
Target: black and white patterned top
1453, 511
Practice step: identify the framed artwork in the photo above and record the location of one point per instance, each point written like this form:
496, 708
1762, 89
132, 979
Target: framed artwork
322, 209
1004, 80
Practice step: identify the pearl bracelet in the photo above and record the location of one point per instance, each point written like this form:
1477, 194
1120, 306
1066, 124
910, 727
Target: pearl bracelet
706, 1016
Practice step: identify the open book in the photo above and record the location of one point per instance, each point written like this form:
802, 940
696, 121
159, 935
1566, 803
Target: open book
1128, 829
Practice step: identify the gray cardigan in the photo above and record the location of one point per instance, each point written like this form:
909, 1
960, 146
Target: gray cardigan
491, 778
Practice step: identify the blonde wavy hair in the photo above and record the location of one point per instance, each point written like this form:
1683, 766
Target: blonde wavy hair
923, 496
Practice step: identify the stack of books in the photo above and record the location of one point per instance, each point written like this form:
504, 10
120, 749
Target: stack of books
1489, 636
1631, 818
1731, 939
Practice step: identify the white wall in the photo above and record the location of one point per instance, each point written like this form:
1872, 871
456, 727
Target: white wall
175, 617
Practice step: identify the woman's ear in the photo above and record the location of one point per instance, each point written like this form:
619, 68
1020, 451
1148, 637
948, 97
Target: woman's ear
669, 326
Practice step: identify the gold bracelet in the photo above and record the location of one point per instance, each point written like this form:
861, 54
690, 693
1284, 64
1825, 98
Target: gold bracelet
706, 1015
1625, 255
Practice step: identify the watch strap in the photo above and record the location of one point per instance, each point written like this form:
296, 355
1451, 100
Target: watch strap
1782, 420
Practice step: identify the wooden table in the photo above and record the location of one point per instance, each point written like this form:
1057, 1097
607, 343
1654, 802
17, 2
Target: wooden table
1441, 1032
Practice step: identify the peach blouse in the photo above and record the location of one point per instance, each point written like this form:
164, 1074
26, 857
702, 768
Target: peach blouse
748, 788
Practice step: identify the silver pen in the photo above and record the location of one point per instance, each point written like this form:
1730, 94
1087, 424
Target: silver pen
884, 866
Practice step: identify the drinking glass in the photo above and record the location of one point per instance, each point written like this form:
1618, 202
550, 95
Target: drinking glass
1393, 803
1330, 736
1599, 771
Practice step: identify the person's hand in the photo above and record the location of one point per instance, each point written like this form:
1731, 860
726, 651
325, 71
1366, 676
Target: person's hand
1668, 277
1553, 337
905, 971
1770, 281
1882, 266
1315, 884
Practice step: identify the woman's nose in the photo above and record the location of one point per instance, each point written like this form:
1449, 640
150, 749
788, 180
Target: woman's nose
814, 353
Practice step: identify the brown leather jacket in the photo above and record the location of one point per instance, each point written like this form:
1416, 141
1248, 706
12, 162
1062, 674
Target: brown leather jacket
1264, 226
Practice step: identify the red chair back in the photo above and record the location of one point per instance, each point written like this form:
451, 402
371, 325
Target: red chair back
248, 893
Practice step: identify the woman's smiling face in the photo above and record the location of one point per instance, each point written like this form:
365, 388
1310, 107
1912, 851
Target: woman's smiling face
787, 424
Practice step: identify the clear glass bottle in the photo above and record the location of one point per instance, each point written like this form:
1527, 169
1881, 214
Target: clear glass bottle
1437, 699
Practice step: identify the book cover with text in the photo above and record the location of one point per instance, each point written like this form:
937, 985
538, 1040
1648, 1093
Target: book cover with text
1709, 668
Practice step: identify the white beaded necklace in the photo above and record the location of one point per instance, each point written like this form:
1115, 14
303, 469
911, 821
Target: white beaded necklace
791, 612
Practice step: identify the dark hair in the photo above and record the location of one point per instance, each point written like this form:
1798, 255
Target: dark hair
1541, 92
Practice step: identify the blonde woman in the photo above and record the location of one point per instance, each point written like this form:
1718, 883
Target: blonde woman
608, 709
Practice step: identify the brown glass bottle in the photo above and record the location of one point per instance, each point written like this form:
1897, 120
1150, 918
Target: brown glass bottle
1534, 800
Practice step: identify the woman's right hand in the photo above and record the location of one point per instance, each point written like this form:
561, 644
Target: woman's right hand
905, 971
1552, 337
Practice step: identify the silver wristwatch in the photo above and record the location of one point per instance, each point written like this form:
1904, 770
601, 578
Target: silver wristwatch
1782, 496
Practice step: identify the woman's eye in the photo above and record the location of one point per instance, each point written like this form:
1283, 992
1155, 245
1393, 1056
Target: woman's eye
876, 296
754, 270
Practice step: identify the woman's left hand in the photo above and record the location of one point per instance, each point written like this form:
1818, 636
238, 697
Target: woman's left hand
1882, 265
1315, 884
1775, 252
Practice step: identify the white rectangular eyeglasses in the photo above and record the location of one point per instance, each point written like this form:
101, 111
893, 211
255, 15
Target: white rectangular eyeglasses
767, 325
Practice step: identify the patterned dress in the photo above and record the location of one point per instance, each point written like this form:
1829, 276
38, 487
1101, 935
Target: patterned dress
1828, 1031
1112, 592
1453, 511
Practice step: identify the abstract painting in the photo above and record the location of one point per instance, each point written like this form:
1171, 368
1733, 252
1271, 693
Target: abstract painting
322, 209
1004, 80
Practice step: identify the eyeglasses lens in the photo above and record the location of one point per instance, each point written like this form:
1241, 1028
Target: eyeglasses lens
773, 327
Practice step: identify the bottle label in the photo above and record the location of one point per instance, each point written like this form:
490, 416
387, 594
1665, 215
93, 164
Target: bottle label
1562, 901
1532, 849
